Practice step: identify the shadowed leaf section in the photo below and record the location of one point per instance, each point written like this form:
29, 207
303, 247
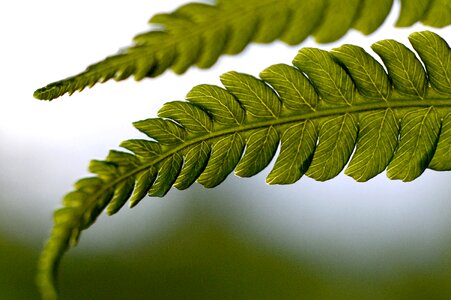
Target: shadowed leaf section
328, 110
199, 33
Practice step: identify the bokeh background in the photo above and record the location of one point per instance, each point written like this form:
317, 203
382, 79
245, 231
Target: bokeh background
242, 240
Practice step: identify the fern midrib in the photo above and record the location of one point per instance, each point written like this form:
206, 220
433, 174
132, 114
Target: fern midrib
330, 112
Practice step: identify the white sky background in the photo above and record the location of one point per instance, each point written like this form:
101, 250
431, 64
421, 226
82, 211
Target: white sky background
45, 147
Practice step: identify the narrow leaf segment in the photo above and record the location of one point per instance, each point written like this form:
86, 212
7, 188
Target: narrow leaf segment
327, 109
198, 34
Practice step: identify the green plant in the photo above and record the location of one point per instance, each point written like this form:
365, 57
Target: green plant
198, 34
319, 110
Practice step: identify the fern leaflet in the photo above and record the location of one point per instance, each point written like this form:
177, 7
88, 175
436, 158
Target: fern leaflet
198, 34
318, 110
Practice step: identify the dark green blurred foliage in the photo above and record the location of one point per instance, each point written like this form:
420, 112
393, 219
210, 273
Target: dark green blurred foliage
17, 270
204, 259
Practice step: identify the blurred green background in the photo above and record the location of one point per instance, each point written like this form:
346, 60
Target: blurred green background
201, 254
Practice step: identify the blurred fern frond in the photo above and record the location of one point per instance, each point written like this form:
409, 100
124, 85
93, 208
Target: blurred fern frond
198, 34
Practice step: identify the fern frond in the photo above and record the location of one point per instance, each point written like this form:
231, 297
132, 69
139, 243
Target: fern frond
198, 34
318, 110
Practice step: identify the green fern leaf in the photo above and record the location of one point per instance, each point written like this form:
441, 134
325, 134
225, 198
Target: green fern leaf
198, 34
298, 144
433, 13
442, 157
319, 110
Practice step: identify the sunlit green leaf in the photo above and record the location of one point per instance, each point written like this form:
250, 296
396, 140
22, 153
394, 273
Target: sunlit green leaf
294, 89
167, 175
196, 159
368, 75
188, 115
412, 11
442, 156
199, 33
330, 80
436, 55
261, 147
144, 181
337, 20
258, 99
418, 137
224, 108
335, 144
378, 137
404, 68
335, 102
298, 143
225, 155
163, 131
